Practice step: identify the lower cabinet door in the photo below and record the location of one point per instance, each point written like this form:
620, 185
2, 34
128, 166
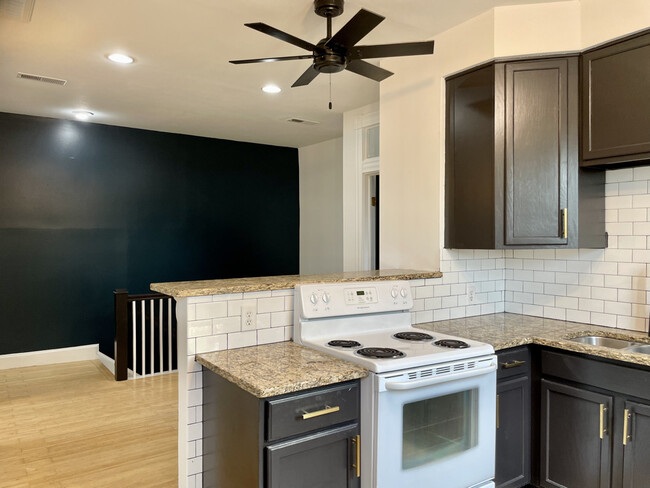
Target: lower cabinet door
325, 459
512, 468
576, 438
636, 463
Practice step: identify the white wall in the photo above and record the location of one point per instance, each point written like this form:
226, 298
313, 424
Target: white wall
603, 20
321, 207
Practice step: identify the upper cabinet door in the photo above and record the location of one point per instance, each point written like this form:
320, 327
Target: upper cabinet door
616, 102
537, 150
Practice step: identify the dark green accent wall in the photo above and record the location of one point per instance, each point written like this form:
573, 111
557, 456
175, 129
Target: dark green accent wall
87, 208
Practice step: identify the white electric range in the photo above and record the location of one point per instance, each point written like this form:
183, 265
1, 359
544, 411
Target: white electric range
428, 406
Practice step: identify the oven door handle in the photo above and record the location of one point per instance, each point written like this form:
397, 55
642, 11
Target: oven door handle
411, 385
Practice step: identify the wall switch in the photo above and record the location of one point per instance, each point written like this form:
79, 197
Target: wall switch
249, 317
471, 293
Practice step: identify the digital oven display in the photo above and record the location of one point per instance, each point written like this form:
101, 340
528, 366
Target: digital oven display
360, 292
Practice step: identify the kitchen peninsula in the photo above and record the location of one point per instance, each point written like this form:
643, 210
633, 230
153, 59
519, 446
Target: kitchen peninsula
209, 316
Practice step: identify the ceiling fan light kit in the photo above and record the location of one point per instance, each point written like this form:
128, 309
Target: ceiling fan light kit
339, 52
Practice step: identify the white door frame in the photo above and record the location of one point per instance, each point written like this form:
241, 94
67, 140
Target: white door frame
356, 172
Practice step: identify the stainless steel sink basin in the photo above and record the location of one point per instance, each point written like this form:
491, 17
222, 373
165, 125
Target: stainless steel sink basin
642, 348
604, 341
622, 344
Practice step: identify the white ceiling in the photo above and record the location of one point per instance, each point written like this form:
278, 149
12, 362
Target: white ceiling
182, 81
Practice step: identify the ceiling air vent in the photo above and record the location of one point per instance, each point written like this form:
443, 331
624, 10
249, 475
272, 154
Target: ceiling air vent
17, 9
43, 79
295, 120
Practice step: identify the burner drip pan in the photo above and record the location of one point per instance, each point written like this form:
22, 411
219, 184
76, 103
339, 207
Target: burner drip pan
344, 343
451, 343
380, 352
413, 336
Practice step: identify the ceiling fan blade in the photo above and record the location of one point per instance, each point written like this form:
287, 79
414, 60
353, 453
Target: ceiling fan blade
356, 29
268, 60
368, 70
391, 50
306, 78
283, 36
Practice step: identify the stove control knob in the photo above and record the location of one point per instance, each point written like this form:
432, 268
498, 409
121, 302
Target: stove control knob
313, 298
393, 293
403, 292
326, 297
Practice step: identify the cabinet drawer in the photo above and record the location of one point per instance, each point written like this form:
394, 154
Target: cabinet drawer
513, 362
312, 410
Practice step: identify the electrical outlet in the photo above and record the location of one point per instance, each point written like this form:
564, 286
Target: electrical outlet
471, 293
249, 317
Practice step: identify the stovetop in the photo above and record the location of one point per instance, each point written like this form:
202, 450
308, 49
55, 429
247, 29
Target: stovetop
365, 316
413, 353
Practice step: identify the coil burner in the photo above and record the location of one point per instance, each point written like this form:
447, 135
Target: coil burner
380, 352
451, 343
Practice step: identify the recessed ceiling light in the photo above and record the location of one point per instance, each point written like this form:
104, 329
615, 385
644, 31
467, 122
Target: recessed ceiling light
271, 89
82, 114
120, 58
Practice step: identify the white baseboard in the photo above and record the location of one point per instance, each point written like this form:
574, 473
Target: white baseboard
49, 356
108, 363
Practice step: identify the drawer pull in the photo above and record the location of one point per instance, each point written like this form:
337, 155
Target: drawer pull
512, 364
318, 413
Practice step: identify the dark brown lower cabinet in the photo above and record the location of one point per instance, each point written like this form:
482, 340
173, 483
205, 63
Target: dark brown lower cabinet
306, 439
595, 423
322, 457
513, 436
576, 447
636, 446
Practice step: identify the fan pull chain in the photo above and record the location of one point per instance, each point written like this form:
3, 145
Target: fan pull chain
330, 91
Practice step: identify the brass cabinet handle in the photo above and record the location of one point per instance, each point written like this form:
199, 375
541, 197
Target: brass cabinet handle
603, 412
318, 413
356, 441
512, 364
565, 223
497, 411
626, 417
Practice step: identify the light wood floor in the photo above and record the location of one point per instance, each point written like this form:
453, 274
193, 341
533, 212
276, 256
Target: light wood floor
72, 425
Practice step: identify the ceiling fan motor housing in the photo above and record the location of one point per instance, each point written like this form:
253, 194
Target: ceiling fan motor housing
328, 8
330, 63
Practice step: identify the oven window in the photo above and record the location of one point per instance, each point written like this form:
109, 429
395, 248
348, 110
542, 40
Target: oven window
439, 427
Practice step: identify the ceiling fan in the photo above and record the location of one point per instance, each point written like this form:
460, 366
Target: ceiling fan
338, 52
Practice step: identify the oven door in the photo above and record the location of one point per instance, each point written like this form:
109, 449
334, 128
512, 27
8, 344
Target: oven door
436, 430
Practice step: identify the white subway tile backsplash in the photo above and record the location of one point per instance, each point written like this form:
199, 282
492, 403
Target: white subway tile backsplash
578, 316
210, 343
637, 187
618, 175
273, 304
234, 306
226, 325
267, 336
281, 319
242, 339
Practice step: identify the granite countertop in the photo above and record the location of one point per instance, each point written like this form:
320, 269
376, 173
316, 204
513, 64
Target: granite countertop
180, 289
504, 330
279, 368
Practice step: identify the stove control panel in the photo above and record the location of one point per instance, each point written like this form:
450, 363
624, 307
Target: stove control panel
360, 296
321, 300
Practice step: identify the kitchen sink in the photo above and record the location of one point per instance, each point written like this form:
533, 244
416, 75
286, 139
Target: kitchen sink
604, 341
642, 348
622, 344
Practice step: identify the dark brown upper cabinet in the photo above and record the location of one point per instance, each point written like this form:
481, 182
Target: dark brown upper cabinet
616, 102
512, 178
